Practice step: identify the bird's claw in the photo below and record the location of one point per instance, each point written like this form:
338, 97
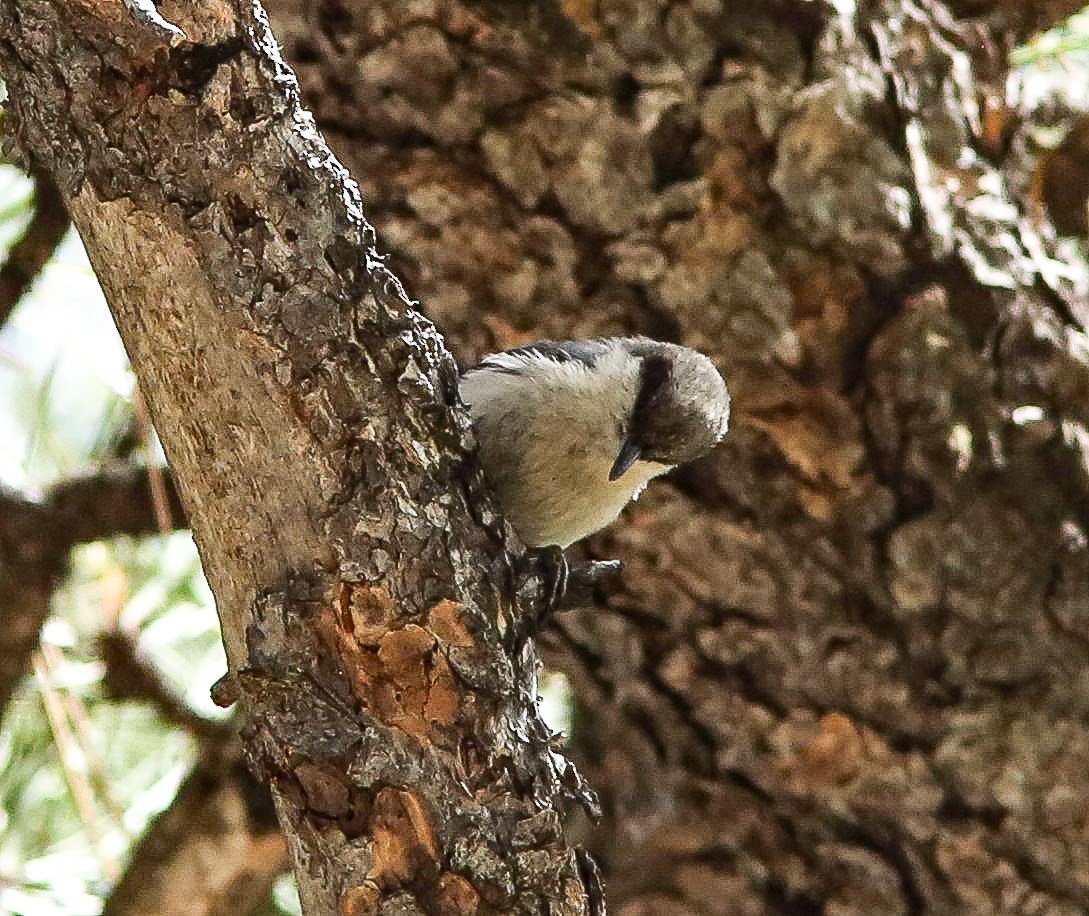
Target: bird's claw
556, 586
555, 572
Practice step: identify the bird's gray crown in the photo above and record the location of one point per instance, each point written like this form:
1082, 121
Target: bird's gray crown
682, 407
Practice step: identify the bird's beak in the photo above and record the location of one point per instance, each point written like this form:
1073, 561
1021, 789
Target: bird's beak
625, 458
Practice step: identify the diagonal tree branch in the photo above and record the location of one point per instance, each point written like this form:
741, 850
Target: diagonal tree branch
216, 851
109, 504
306, 411
130, 676
36, 537
36, 246
1021, 17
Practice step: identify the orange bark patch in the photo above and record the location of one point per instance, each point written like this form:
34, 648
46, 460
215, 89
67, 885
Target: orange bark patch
584, 13
405, 846
838, 749
402, 652
834, 756
361, 901
456, 897
446, 620
415, 686
398, 673
404, 685
368, 611
444, 698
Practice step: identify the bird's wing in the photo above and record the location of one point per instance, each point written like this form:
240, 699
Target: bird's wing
517, 360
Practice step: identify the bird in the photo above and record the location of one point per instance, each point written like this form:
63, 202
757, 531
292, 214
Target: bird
569, 432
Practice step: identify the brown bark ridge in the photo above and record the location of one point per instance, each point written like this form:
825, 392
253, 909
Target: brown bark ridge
847, 673
36, 538
361, 579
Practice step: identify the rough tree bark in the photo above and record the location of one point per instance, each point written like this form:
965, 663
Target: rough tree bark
362, 580
848, 673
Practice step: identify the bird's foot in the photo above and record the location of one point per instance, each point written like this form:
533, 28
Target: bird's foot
584, 579
555, 573
548, 585
542, 575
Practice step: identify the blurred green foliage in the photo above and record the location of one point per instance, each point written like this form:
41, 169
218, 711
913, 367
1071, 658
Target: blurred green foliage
1066, 46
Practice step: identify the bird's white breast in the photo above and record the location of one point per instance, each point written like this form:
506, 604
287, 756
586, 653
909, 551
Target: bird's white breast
549, 432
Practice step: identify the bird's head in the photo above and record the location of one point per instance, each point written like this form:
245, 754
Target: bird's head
681, 408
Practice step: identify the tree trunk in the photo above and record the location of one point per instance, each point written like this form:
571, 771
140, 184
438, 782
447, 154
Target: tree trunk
847, 671
361, 577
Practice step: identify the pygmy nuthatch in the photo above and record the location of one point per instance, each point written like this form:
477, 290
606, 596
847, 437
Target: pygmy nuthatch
571, 431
